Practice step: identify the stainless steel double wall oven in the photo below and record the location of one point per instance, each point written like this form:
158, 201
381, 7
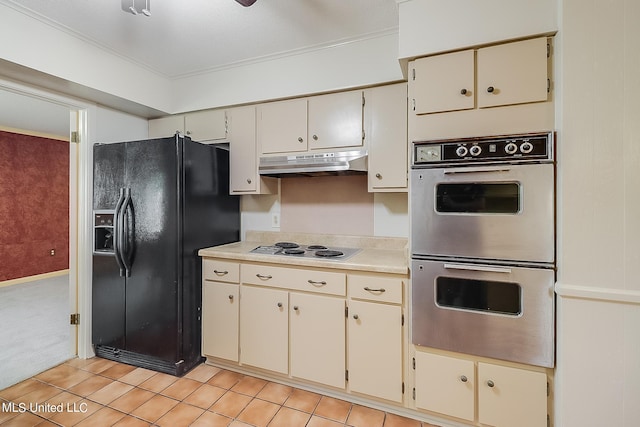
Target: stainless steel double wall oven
483, 246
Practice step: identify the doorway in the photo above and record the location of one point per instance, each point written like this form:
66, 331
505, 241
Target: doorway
61, 291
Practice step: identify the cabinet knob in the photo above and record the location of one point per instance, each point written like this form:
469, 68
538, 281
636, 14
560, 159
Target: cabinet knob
463, 378
356, 317
279, 305
490, 89
295, 307
315, 137
230, 297
490, 383
378, 176
463, 92
248, 180
300, 139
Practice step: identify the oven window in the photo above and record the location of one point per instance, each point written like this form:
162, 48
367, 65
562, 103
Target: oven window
478, 197
479, 295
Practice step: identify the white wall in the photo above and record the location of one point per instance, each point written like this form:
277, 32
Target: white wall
358, 63
30, 42
598, 374
431, 26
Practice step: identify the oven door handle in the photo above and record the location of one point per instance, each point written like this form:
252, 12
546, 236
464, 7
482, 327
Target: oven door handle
487, 268
475, 170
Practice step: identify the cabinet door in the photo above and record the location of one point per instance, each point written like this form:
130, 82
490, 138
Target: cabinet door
318, 338
512, 73
282, 126
166, 126
446, 385
511, 397
243, 155
443, 83
335, 120
264, 332
205, 125
375, 349
386, 111
220, 320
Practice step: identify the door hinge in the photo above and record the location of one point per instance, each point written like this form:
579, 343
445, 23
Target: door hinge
548, 85
402, 321
346, 312
413, 101
363, 100
548, 50
75, 137
346, 375
403, 387
548, 389
74, 319
413, 74
413, 363
414, 393
363, 134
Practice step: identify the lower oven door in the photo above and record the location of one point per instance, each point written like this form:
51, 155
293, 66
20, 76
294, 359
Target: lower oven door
501, 212
501, 312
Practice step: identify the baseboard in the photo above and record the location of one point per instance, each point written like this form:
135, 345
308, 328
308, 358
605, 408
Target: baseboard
33, 278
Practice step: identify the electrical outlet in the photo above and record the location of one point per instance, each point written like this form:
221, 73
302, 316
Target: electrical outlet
275, 220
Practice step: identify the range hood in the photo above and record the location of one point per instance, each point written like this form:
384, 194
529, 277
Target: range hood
338, 163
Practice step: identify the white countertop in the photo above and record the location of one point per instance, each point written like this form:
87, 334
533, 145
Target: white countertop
378, 254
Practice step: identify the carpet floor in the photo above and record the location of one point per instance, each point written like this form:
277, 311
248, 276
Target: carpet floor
35, 332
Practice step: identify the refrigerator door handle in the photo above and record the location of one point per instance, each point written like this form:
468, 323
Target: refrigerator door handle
116, 233
125, 250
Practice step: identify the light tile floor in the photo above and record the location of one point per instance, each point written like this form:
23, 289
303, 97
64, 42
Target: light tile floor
100, 392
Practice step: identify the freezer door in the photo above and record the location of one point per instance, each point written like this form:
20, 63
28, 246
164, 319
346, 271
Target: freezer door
108, 175
108, 287
152, 218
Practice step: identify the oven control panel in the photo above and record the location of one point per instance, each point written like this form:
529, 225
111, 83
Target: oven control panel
513, 148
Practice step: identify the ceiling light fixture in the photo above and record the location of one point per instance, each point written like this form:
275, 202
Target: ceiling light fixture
246, 3
136, 7
147, 8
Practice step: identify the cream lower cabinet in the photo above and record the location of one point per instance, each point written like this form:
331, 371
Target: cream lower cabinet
220, 320
317, 340
506, 396
375, 335
220, 309
264, 328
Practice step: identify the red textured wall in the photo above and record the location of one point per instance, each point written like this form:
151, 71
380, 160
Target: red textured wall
34, 205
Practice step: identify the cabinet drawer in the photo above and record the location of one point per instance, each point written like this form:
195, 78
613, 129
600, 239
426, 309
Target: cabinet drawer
375, 288
220, 271
324, 282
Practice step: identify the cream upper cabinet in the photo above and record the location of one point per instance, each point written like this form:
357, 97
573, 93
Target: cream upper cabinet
445, 385
166, 126
207, 125
243, 154
505, 74
335, 120
512, 73
317, 338
386, 135
315, 123
444, 83
282, 126
264, 328
509, 396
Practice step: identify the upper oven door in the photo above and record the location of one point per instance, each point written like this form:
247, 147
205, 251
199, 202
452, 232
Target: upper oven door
504, 212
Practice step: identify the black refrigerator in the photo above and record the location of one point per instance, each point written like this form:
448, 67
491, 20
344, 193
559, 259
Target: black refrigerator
155, 203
